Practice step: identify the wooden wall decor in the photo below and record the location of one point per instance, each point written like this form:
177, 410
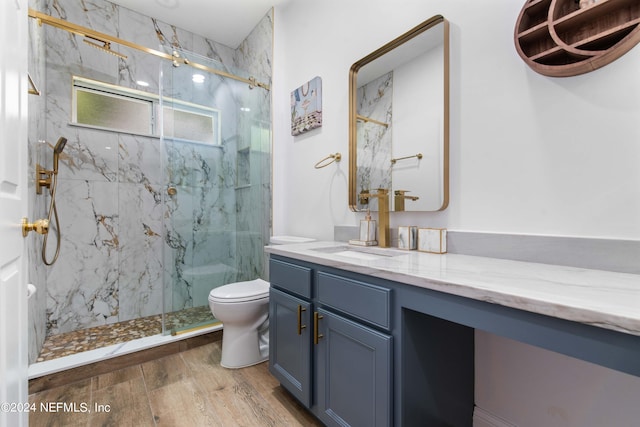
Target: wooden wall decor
561, 38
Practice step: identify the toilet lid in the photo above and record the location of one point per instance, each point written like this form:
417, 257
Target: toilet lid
241, 291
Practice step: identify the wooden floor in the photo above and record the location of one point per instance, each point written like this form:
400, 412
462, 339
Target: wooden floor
184, 389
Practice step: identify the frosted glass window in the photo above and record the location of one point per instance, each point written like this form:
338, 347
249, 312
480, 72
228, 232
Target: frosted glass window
111, 111
121, 109
191, 126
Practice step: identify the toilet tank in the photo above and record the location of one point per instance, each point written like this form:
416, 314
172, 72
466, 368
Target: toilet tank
285, 240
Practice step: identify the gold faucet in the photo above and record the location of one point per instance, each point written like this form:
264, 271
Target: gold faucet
383, 214
399, 198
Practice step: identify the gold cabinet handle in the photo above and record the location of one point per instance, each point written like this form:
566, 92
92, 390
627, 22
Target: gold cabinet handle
300, 325
41, 226
316, 319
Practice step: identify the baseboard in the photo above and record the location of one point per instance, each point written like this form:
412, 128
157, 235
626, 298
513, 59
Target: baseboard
482, 418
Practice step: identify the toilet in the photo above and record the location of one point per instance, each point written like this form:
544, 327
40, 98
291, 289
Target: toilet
243, 309
287, 240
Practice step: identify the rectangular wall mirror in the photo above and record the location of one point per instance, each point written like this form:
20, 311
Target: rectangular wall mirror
399, 121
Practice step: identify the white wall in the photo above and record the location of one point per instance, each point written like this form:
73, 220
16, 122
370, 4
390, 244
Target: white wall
530, 387
529, 153
417, 123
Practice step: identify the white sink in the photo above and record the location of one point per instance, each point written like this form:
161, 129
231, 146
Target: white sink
358, 255
366, 253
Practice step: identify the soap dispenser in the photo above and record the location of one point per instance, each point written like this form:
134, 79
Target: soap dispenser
368, 230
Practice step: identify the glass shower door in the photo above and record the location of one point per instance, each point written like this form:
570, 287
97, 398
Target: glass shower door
216, 139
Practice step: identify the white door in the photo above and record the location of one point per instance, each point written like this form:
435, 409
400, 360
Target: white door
13, 206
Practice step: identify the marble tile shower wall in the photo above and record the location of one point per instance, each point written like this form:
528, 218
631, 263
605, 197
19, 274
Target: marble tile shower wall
110, 188
374, 140
37, 204
254, 55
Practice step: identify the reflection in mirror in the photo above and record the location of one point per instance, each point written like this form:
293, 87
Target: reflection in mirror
399, 121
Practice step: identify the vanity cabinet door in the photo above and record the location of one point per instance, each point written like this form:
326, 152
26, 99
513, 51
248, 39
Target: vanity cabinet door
353, 368
290, 343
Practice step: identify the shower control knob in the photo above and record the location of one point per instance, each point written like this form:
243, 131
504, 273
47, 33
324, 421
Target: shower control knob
41, 226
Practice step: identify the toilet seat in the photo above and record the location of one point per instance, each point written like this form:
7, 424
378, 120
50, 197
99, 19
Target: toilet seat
240, 292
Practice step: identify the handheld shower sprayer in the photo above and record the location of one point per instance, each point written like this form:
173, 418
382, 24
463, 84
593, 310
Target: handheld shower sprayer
49, 179
44, 176
62, 141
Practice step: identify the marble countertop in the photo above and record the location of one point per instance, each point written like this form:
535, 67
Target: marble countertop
600, 298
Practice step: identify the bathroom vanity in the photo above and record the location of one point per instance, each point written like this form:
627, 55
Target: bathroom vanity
380, 337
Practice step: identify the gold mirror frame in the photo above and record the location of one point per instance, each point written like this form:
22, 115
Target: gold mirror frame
353, 101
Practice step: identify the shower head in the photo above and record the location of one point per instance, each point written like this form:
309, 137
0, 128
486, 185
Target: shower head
62, 141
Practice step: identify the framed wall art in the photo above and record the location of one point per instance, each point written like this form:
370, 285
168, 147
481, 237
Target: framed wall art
306, 107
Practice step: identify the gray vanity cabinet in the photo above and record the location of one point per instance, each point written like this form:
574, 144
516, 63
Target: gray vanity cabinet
328, 344
353, 368
290, 311
290, 352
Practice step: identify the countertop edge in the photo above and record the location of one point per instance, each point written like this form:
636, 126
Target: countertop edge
557, 309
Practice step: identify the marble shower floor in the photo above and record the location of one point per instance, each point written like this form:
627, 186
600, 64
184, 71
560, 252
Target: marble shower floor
69, 343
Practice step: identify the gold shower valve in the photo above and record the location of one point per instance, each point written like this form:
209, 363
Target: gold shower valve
41, 226
43, 178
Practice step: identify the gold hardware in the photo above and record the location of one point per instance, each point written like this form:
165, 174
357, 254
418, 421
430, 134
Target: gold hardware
41, 226
210, 324
87, 32
106, 46
43, 178
33, 90
316, 319
383, 214
253, 83
418, 156
399, 198
300, 325
172, 191
363, 197
334, 158
370, 120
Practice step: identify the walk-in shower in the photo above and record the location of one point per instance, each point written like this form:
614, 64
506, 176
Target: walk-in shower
157, 216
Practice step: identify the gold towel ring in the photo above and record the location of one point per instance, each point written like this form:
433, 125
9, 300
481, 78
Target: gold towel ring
334, 158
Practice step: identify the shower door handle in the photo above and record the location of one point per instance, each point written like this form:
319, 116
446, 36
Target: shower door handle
300, 325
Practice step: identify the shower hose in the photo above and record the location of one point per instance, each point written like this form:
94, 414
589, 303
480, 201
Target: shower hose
53, 210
